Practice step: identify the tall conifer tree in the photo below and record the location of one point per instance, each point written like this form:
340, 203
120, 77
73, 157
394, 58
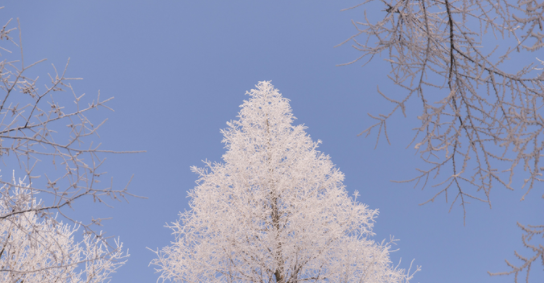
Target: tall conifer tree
275, 211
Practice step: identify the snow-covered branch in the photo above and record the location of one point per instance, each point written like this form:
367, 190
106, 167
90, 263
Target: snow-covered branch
34, 249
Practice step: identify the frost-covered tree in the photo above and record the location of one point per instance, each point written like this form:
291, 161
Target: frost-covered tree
47, 134
275, 211
481, 114
34, 249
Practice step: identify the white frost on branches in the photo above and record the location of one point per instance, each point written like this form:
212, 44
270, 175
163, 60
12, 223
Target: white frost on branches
479, 117
39, 125
34, 249
50, 124
481, 120
275, 211
538, 249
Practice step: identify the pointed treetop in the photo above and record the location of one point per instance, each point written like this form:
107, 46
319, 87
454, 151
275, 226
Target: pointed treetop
275, 211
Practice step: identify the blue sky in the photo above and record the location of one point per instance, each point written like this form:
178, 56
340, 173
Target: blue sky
178, 71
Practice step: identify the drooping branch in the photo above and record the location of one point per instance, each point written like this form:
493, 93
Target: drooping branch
493, 130
480, 120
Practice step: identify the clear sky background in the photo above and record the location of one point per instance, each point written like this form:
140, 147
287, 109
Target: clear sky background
178, 71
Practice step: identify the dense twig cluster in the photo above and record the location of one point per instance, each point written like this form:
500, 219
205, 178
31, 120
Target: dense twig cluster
31, 134
489, 118
34, 249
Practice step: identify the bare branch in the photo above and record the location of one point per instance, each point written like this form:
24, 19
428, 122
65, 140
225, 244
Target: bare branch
480, 121
31, 134
432, 41
530, 231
